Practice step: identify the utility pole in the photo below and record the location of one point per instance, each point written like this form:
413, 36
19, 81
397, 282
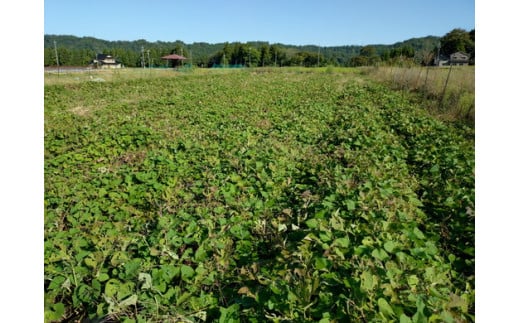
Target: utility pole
149, 64
439, 55
142, 56
57, 60
318, 56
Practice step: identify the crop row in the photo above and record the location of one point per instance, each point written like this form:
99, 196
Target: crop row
254, 197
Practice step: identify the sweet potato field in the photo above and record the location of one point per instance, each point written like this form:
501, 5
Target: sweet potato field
254, 196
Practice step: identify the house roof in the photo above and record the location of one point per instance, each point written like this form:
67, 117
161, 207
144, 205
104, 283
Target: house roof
103, 56
459, 53
173, 57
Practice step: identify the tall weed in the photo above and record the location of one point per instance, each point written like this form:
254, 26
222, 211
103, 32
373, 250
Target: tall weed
450, 98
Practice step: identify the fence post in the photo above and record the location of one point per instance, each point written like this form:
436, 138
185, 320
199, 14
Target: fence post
425, 90
418, 80
444, 90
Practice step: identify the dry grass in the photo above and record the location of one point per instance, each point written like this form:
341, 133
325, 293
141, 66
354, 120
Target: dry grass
81, 110
450, 98
71, 77
75, 76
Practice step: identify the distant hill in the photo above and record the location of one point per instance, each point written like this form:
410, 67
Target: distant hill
74, 50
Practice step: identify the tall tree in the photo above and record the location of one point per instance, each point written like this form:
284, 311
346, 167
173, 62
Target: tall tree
368, 51
457, 40
49, 57
278, 55
226, 54
472, 49
403, 51
367, 56
425, 57
179, 49
265, 57
254, 56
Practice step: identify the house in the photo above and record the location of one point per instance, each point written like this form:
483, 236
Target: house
106, 61
458, 58
441, 61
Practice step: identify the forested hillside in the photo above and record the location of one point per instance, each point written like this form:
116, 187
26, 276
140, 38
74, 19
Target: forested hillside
79, 51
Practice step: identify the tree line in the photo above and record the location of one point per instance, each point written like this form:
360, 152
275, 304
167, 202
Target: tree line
457, 40
75, 51
251, 54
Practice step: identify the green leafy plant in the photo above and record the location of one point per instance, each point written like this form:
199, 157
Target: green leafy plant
255, 197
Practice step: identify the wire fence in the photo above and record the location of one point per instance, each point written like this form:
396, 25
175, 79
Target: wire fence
449, 90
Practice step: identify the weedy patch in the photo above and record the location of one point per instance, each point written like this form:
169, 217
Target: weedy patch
80, 110
292, 197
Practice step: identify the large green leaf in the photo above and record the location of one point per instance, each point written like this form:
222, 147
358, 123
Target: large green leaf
385, 308
187, 272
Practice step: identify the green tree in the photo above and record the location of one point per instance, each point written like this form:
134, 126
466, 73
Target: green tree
49, 57
304, 58
359, 61
368, 51
367, 56
85, 56
179, 49
457, 40
309, 59
297, 59
425, 57
277, 55
254, 56
471, 51
65, 56
385, 56
239, 54
404, 51
265, 57
226, 54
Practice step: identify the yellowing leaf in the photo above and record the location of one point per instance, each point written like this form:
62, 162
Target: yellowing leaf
244, 290
131, 300
90, 262
367, 281
146, 279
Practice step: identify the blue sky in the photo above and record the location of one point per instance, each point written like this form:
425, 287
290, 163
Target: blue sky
324, 22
